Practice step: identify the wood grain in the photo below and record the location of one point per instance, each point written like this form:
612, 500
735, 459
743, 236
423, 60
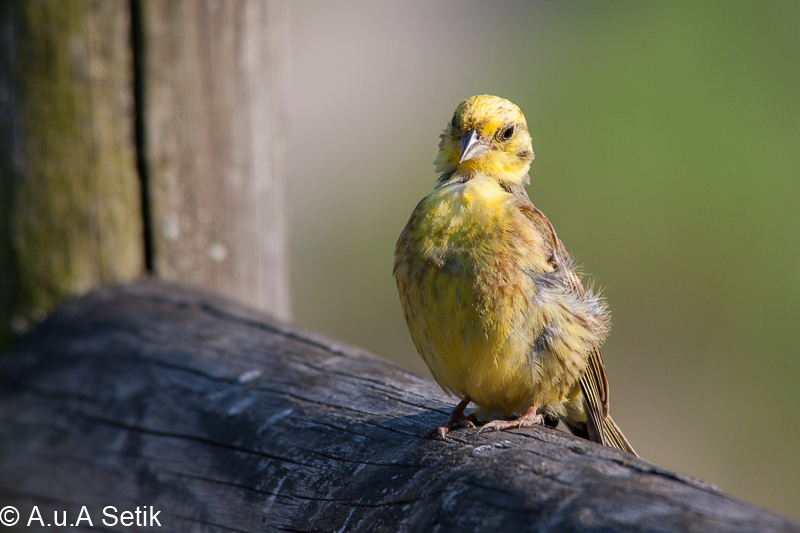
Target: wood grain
214, 141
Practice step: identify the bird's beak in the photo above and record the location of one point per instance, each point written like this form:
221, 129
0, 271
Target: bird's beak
471, 146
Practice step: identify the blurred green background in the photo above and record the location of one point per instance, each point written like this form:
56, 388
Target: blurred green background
667, 141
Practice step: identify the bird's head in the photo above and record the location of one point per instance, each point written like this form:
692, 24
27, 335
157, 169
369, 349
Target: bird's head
487, 135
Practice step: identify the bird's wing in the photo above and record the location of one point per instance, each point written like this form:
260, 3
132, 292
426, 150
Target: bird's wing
593, 382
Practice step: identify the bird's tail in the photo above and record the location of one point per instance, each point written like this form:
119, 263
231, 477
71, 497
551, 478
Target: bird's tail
613, 437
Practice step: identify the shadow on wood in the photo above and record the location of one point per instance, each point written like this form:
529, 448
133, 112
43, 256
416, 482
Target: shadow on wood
223, 420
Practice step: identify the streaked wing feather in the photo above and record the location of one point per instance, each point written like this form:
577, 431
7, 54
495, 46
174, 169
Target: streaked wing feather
593, 382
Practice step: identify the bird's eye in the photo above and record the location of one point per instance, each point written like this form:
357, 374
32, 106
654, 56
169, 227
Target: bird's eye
507, 133
454, 122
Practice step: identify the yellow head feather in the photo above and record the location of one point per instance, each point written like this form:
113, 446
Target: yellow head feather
488, 135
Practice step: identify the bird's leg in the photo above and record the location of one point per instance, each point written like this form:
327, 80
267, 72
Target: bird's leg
457, 418
528, 419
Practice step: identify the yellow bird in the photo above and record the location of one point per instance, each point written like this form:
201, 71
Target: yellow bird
490, 294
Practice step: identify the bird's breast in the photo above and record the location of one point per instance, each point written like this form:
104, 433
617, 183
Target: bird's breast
464, 220
465, 296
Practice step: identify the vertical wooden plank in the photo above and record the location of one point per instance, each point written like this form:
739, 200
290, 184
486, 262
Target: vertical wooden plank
8, 274
214, 107
71, 206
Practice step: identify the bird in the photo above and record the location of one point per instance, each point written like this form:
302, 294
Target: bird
492, 299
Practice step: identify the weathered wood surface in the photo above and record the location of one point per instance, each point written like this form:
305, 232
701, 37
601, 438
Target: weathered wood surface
214, 140
141, 135
223, 420
70, 209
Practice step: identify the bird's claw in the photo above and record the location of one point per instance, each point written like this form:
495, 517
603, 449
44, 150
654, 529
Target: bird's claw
443, 430
529, 419
457, 419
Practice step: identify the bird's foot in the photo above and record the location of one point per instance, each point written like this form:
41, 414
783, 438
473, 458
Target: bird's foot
457, 419
528, 419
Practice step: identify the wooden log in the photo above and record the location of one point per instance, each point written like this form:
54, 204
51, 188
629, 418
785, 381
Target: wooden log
70, 208
224, 420
213, 143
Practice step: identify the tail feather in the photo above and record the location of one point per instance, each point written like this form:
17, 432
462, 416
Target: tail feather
613, 437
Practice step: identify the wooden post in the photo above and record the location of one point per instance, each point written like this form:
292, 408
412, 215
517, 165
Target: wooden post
214, 124
141, 134
70, 208
222, 420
